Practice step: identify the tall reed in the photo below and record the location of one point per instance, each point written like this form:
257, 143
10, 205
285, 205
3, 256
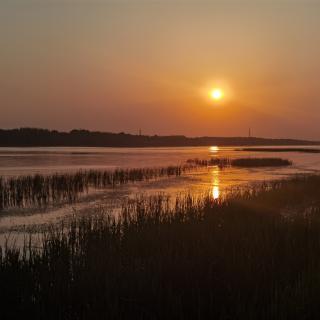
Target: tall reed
241, 257
41, 190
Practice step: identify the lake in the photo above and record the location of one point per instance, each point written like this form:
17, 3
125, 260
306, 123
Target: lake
23, 161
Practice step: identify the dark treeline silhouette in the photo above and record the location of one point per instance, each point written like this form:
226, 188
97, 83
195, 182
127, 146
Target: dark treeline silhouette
31, 137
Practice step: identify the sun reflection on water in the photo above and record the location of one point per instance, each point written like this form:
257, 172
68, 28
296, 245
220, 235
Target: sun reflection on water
214, 149
215, 183
215, 192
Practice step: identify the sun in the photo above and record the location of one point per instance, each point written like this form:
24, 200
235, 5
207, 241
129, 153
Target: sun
216, 94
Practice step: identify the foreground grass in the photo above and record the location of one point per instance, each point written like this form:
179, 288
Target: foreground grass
243, 257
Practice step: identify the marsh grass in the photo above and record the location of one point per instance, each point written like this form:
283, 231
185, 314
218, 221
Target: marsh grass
201, 258
220, 162
241, 162
42, 190
260, 162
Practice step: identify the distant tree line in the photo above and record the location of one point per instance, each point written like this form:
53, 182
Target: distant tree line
33, 137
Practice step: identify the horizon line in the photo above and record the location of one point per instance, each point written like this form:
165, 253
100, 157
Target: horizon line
70, 131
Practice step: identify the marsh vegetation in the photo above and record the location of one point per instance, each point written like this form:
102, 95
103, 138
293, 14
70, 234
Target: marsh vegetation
241, 162
253, 255
42, 190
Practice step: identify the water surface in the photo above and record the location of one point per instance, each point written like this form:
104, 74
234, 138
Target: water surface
22, 161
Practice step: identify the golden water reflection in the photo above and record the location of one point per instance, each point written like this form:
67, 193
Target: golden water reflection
215, 183
214, 149
215, 192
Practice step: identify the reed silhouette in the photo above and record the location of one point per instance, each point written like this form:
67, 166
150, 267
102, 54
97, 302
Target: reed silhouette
241, 162
251, 255
41, 190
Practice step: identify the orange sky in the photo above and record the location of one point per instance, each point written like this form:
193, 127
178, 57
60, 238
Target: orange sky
124, 65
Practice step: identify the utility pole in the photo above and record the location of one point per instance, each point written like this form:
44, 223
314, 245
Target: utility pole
140, 132
249, 133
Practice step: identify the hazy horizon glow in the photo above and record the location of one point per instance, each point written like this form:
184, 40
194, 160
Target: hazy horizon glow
124, 65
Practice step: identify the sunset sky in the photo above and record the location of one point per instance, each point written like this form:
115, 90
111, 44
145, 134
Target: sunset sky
124, 65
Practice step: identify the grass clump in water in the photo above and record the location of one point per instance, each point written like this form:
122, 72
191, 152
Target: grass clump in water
241, 162
260, 162
42, 190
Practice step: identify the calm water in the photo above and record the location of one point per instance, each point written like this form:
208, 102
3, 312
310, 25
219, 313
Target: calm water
21, 161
